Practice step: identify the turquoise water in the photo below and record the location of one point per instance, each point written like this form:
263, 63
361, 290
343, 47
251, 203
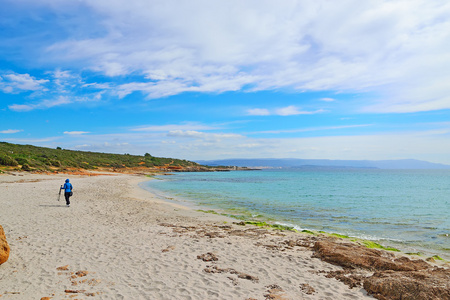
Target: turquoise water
407, 209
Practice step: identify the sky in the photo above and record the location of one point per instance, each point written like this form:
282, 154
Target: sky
205, 79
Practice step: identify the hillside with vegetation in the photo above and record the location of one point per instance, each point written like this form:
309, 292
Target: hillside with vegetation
30, 158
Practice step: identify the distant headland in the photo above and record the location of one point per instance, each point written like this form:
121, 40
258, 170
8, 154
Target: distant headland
324, 163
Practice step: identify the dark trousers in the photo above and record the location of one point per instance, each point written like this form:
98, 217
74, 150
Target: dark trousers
67, 196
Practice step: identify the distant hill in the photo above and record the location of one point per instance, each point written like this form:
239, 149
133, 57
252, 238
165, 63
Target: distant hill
33, 158
321, 163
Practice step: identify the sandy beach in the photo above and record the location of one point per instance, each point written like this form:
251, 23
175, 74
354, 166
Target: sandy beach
118, 241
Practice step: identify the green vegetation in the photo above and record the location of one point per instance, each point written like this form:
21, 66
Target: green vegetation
373, 245
437, 257
336, 235
414, 253
208, 211
274, 226
308, 232
368, 244
32, 158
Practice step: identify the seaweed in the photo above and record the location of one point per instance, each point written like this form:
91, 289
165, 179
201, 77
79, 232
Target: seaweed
373, 245
437, 257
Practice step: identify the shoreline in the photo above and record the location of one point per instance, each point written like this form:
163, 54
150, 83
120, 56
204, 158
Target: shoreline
119, 241
422, 250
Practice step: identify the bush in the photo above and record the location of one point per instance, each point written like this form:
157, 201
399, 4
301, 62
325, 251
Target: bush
6, 160
22, 161
55, 163
26, 167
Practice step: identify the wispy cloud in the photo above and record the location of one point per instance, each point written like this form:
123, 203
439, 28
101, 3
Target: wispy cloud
291, 110
280, 50
376, 47
311, 129
15, 83
76, 132
32, 140
202, 135
174, 127
61, 100
258, 112
10, 131
327, 99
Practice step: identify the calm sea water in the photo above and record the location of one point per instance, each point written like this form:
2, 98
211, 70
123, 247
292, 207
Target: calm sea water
407, 209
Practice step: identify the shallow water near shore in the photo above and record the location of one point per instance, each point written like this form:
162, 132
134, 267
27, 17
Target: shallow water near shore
406, 209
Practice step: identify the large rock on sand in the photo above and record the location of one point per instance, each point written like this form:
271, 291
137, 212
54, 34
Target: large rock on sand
424, 284
4, 247
395, 278
352, 256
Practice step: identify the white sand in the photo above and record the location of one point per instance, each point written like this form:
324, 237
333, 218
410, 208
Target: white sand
134, 246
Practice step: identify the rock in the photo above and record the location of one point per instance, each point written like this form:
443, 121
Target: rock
208, 257
168, 249
245, 276
63, 268
275, 292
81, 273
4, 247
307, 289
349, 255
424, 284
74, 291
394, 278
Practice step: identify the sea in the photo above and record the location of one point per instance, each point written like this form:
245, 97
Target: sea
405, 209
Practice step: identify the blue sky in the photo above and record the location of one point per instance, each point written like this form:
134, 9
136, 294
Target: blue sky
228, 79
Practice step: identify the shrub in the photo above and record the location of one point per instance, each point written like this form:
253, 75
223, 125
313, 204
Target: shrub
22, 161
6, 160
55, 163
26, 167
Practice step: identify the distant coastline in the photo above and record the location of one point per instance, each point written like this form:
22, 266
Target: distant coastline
400, 164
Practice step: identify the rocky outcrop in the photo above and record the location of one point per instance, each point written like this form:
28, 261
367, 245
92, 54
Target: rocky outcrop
424, 284
349, 255
4, 247
394, 278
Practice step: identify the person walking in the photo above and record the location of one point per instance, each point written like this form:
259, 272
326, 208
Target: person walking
67, 187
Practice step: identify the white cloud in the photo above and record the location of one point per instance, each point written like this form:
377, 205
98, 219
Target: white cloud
258, 112
311, 129
291, 110
432, 145
84, 146
15, 83
76, 132
328, 99
370, 147
173, 127
9, 131
203, 135
61, 100
397, 49
34, 141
